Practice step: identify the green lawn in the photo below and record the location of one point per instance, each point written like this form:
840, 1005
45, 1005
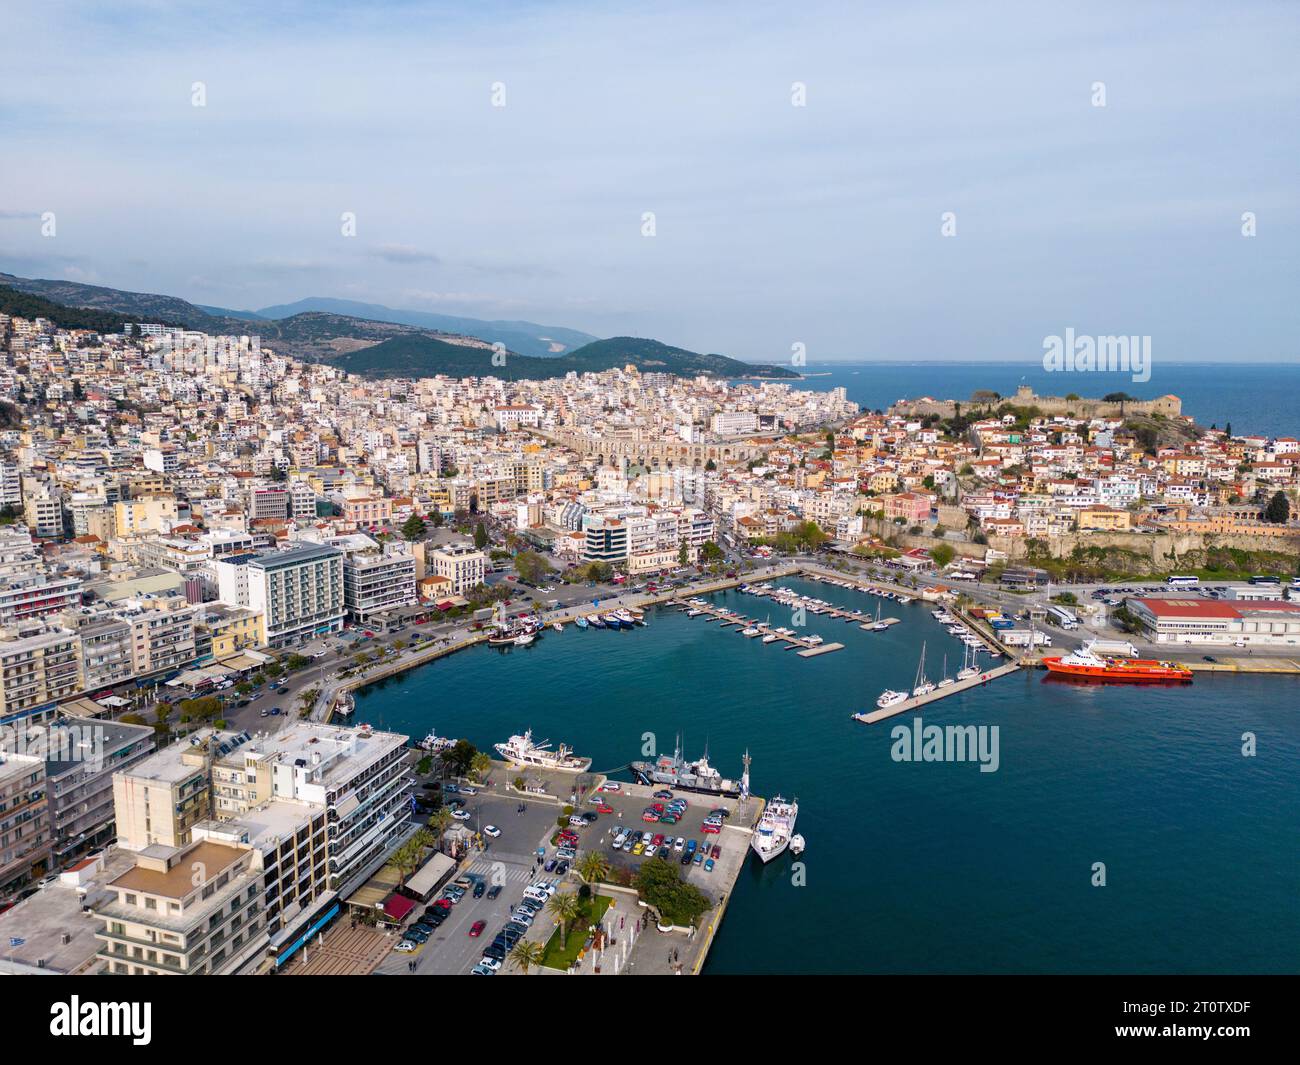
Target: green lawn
561, 957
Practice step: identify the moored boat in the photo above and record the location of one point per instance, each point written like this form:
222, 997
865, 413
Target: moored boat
775, 829
1086, 665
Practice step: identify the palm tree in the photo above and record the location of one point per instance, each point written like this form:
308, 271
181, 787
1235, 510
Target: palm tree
525, 954
564, 908
593, 868
407, 857
440, 821
479, 765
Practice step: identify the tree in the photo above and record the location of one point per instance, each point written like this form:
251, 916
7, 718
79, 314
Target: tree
593, 868
527, 954
564, 908
479, 765
942, 554
710, 552
480, 536
413, 528
532, 567
1278, 510
683, 554
460, 758
439, 821
710, 466
408, 856
659, 884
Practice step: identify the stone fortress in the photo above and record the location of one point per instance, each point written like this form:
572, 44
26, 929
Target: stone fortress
1168, 406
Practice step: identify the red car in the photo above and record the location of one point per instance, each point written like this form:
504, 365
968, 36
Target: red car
709, 829
444, 903
476, 929
604, 808
658, 840
650, 815
717, 852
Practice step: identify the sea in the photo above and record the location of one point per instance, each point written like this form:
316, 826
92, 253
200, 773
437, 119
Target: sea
1124, 830
1251, 397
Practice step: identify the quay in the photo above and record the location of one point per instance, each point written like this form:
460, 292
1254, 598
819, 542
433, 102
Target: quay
917, 702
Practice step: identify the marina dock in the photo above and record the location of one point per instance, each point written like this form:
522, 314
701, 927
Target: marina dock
728, 619
917, 702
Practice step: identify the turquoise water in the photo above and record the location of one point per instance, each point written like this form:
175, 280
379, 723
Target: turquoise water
933, 867
1252, 397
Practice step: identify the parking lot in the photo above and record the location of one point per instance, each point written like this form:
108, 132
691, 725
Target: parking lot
508, 861
631, 801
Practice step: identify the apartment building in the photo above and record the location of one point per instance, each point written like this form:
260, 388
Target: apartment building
162, 632
160, 799
27, 595
356, 776
39, 665
376, 577
462, 564
185, 911
107, 646
230, 629
605, 540
24, 817
299, 592
81, 758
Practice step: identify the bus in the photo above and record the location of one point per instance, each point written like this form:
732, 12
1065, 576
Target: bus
1261, 579
1182, 582
1064, 618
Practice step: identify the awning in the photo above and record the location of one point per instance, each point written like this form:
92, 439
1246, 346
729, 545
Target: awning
397, 906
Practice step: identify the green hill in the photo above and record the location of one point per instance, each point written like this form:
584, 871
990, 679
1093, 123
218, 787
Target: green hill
419, 356
27, 305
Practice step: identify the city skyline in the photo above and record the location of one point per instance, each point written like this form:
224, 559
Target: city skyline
750, 140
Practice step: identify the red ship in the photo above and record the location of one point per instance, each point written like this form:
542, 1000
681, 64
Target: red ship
1091, 666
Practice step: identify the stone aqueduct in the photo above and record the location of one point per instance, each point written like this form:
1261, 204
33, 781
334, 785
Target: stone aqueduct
655, 454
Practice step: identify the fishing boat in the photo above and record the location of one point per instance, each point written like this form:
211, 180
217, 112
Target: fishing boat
524, 639
557, 626
922, 685
581, 622
595, 621
345, 704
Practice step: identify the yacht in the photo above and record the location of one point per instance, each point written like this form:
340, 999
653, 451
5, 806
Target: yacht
890, 698
435, 744
521, 750
773, 833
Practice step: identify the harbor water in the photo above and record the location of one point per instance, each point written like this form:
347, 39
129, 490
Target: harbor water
930, 866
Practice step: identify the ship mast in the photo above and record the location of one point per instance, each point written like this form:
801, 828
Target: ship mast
744, 777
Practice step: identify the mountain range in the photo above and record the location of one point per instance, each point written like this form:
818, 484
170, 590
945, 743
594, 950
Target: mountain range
377, 341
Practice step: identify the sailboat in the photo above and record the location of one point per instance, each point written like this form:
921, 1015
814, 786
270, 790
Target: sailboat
922, 686
968, 667
878, 625
945, 680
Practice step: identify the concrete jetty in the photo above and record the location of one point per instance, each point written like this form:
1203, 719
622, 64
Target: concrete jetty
917, 702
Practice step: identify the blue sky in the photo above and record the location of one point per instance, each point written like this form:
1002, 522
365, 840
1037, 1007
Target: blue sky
774, 224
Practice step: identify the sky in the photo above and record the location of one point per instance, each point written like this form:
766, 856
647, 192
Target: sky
781, 216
